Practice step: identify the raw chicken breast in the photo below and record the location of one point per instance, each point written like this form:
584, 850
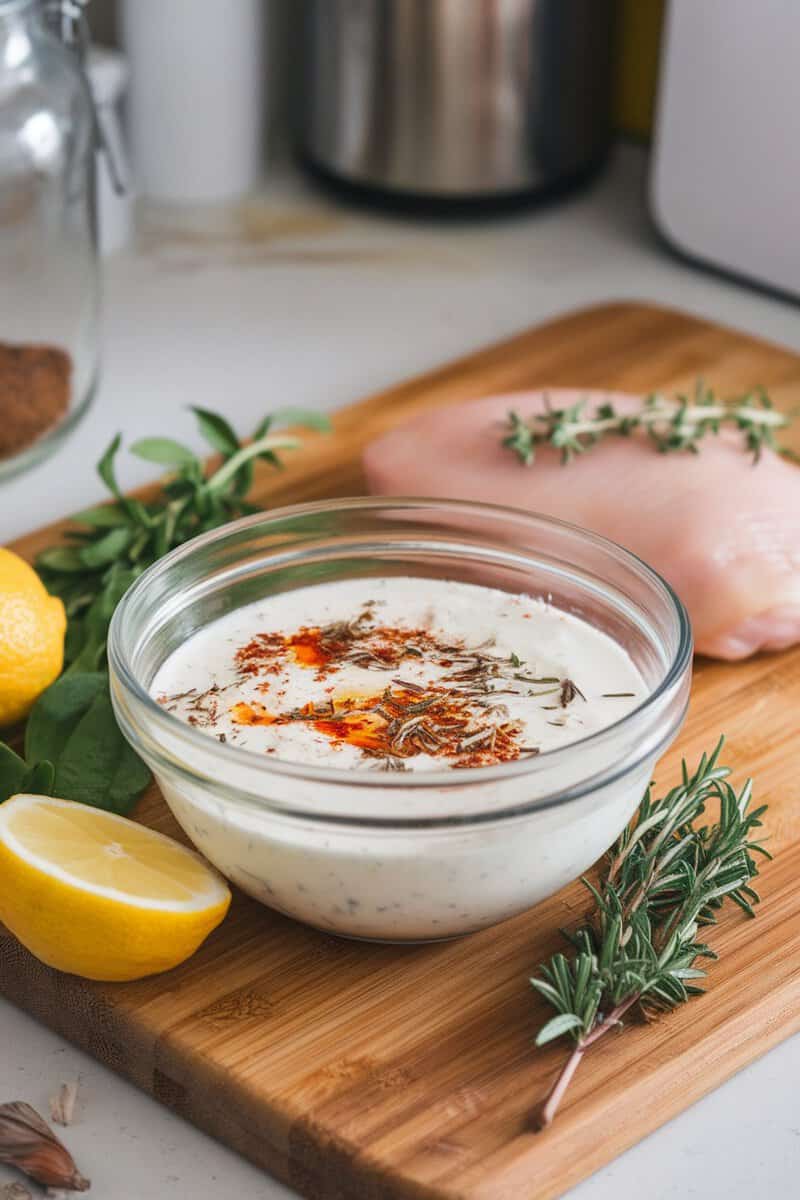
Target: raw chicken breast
725, 533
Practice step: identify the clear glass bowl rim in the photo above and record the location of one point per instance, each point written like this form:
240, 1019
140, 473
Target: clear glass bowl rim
449, 779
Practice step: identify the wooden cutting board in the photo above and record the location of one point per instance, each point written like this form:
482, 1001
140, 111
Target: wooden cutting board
365, 1072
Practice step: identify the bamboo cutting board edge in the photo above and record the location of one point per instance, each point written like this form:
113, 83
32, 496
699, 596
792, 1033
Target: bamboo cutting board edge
319, 1133
319, 1165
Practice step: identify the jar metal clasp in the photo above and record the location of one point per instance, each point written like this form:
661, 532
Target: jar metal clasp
68, 20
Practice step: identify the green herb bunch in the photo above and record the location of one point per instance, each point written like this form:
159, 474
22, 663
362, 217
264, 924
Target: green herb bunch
671, 425
73, 747
665, 878
114, 543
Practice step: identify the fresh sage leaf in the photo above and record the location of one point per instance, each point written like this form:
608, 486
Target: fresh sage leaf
140, 546
104, 516
96, 765
61, 558
12, 772
216, 430
163, 450
72, 726
119, 579
56, 714
17, 776
39, 779
89, 656
138, 512
107, 549
305, 417
74, 642
105, 468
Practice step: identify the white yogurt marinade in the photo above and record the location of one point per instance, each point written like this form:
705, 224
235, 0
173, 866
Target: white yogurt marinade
401, 674
407, 675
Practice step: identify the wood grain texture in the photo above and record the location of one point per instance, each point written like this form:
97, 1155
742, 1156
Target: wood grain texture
365, 1072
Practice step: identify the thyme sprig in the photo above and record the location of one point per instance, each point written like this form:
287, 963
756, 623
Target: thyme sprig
664, 879
112, 544
672, 425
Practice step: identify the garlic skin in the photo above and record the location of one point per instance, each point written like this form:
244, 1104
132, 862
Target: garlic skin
28, 1143
15, 1191
62, 1104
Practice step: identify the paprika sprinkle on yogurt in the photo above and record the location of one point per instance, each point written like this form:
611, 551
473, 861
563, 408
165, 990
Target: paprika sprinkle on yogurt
420, 675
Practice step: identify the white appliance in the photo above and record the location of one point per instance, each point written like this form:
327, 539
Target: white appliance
725, 176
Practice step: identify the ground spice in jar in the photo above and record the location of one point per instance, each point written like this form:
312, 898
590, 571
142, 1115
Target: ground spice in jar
34, 393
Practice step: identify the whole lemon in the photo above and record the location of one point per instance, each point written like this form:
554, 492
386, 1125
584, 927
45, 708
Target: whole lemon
32, 626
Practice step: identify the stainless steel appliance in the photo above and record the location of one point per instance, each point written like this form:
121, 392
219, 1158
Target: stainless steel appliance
456, 99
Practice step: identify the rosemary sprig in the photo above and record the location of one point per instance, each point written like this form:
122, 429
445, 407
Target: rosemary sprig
114, 543
671, 425
664, 879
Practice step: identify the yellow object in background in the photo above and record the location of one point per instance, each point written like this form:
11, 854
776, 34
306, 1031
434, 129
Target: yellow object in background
32, 627
639, 25
92, 893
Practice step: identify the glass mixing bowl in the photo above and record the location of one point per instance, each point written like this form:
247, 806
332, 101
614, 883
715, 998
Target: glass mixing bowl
394, 856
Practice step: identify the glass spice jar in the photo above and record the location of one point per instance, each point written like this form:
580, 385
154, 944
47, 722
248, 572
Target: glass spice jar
49, 281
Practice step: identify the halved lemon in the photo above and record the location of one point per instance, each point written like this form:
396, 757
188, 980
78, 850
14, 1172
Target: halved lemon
100, 896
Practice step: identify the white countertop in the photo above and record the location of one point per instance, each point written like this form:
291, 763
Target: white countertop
321, 316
